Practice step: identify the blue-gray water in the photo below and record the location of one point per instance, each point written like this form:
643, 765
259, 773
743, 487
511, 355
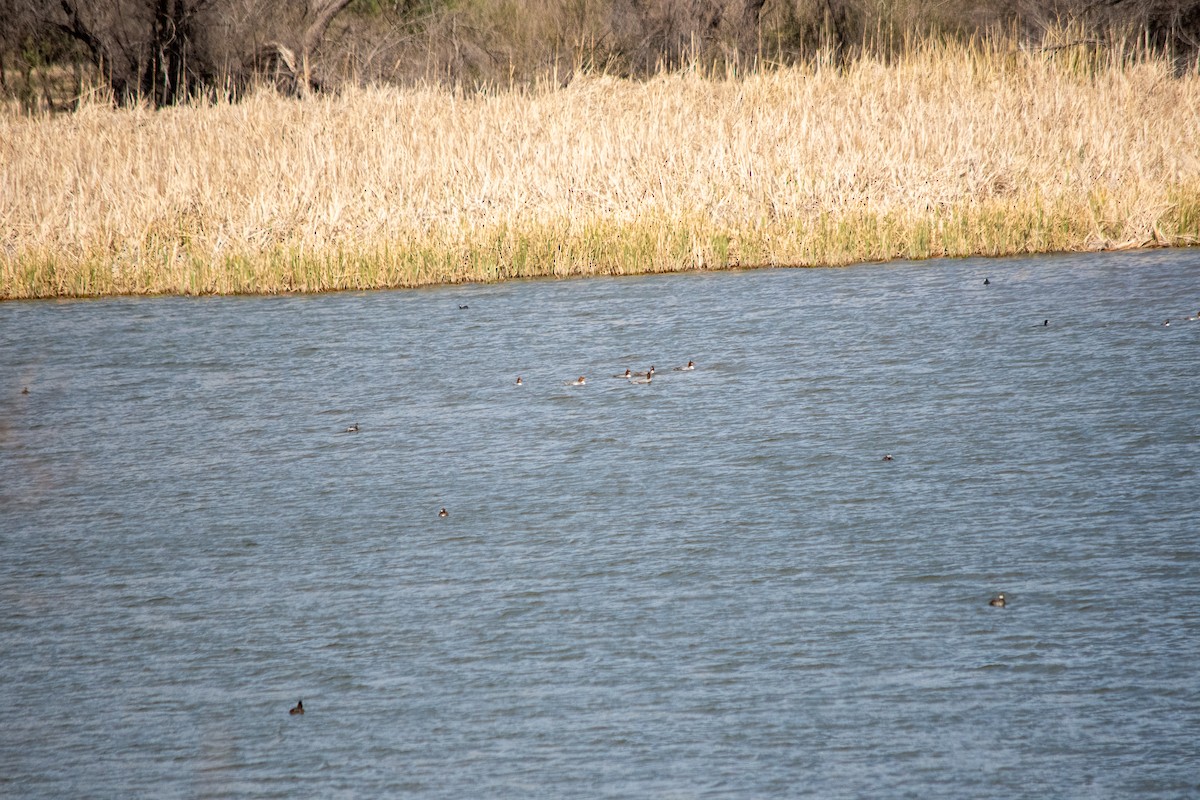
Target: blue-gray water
710, 586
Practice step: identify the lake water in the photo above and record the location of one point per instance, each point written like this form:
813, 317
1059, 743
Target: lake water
709, 586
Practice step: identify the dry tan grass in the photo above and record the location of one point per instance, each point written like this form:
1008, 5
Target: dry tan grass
951, 151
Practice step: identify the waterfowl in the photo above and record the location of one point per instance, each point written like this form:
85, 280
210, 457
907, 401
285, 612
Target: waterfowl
639, 378
299, 709
580, 381
25, 390
626, 376
463, 308
647, 374
353, 428
519, 381
888, 457
1045, 323
998, 601
1167, 324
443, 512
1193, 319
986, 282
688, 367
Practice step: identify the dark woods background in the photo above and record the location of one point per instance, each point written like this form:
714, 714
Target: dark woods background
162, 52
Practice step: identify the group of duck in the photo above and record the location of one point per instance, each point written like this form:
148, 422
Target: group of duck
1166, 323
996, 602
629, 375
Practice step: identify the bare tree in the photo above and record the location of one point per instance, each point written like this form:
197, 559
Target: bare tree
297, 40
163, 51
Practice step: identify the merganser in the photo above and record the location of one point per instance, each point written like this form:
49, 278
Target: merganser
639, 378
627, 375
519, 381
888, 457
580, 381
986, 282
353, 428
1167, 324
998, 601
691, 365
443, 512
299, 709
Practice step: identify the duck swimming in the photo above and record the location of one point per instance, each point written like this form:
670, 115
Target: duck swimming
519, 381
986, 282
580, 381
998, 601
443, 512
688, 367
353, 428
626, 376
888, 457
640, 378
299, 709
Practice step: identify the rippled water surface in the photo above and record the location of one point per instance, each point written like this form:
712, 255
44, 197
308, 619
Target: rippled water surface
709, 586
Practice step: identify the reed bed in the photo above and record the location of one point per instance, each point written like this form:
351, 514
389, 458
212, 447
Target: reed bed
952, 150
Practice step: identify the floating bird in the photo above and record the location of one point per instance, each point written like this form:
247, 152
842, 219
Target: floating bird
998, 601
1167, 324
1045, 323
519, 381
986, 282
25, 390
299, 709
353, 428
580, 381
463, 308
640, 378
1193, 319
688, 367
888, 457
627, 375
443, 512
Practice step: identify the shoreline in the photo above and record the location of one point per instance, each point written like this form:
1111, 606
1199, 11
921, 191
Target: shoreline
467, 281
951, 151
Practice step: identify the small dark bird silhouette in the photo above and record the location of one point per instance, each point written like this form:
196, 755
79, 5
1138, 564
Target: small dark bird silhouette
25, 390
299, 709
1167, 324
519, 381
463, 308
1046, 323
998, 601
888, 457
353, 428
443, 513
986, 282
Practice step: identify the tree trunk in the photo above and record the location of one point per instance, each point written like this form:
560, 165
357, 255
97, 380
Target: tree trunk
323, 12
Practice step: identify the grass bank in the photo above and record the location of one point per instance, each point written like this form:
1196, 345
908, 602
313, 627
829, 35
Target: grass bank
950, 151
